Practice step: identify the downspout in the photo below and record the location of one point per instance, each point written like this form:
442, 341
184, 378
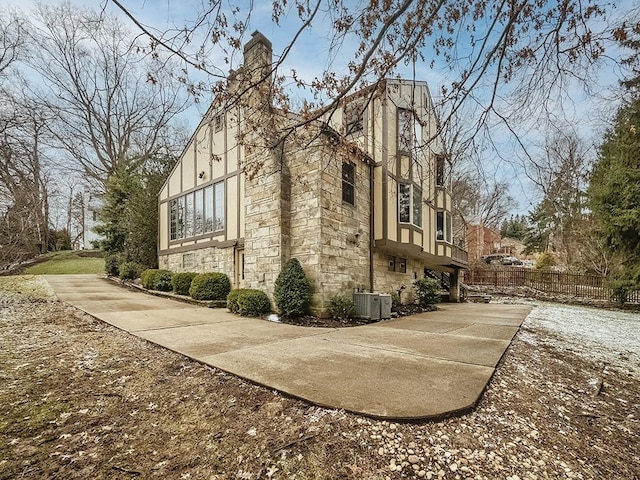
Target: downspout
371, 227
372, 166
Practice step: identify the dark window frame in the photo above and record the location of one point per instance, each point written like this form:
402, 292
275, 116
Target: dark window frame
391, 263
401, 265
349, 183
440, 171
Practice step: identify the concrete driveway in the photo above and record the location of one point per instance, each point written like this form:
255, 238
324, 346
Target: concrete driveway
417, 367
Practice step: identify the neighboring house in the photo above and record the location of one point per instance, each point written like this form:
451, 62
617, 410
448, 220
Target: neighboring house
513, 247
481, 241
359, 199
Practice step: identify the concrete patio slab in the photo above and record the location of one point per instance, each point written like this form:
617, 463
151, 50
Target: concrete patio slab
463, 349
418, 367
371, 381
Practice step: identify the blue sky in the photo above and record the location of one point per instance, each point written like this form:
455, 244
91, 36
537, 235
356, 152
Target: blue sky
310, 58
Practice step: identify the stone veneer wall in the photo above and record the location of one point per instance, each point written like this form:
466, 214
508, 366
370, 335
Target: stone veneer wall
385, 281
345, 233
265, 244
210, 259
305, 213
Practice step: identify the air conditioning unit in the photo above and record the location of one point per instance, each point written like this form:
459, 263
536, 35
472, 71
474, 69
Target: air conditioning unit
385, 305
367, 305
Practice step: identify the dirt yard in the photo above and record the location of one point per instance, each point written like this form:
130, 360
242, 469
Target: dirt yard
81, 399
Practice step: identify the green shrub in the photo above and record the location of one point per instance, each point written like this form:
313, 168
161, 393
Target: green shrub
181, 282
427, 291
341, 307
210, 286
111, 265
545, 261
232, 299
154, 279
253, 303
292, 291
129, 270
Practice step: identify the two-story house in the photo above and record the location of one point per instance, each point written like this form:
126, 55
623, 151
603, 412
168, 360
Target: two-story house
359, 196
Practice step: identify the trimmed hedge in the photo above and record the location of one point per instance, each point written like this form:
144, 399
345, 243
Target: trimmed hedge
128, 270
210, 286
292, 291
181, 282
248, 302
154, 279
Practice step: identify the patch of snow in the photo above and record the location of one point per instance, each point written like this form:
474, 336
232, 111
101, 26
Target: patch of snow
273, 318
595, 333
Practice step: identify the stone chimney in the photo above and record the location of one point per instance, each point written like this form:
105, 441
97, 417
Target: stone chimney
257, 71
267, 184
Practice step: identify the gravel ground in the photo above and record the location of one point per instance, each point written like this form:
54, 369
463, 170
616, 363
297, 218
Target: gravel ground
81, 399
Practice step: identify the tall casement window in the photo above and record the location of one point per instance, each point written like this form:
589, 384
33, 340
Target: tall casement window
208, 209
443, 226
218, 206
410, 204
354, 116
197, 213
176, 218
349, 183
198, 210
440, 171
188, 215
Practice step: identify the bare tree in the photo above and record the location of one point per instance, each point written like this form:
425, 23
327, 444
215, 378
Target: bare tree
12, 37
508, 57
24, 210
101, 90
560, 175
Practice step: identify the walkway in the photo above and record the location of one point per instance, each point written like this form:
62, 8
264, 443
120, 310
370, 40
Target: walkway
417, 367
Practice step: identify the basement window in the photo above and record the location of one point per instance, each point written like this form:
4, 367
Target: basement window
188, 261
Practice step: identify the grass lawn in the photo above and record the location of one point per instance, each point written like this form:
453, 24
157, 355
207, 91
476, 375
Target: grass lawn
68, 262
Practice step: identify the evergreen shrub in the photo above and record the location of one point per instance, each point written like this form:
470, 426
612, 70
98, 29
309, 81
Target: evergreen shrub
128, 270
292, 291
232, 299
427, 291
210, 286
112, 265
181, 282
341, 307
248, 302
154, 279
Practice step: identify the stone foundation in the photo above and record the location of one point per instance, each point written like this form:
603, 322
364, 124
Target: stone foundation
211, 259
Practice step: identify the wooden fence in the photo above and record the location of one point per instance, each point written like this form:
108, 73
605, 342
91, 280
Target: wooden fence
578, 285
